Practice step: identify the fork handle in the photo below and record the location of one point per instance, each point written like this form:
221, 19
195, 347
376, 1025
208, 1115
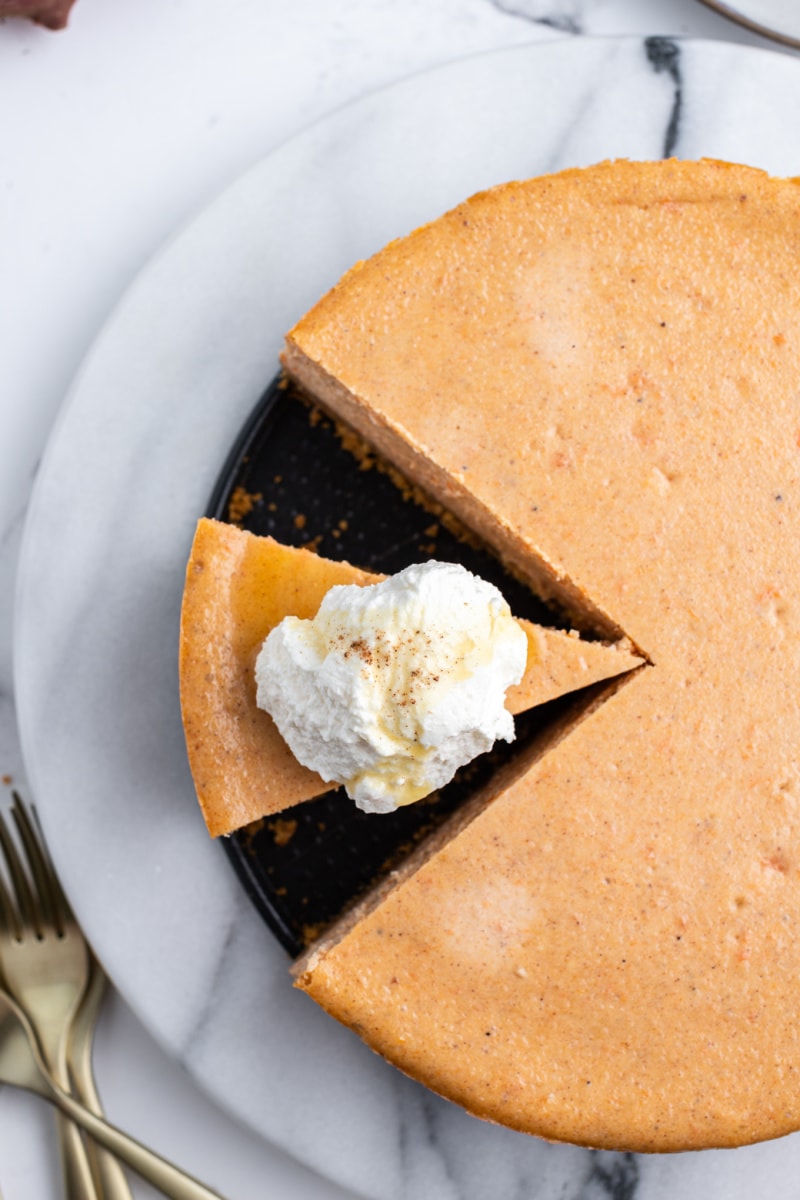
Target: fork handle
169, 1179
110, 1177
78, 1181
108, 1173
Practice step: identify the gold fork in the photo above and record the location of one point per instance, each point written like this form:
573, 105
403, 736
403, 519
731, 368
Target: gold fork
110, 1178
44, 963
22, 1065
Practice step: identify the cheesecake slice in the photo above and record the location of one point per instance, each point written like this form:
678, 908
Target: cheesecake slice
599, 373
238, 588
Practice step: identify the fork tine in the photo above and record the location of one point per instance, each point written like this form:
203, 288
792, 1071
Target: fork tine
51, 897
26, 905
9, 920
63, 908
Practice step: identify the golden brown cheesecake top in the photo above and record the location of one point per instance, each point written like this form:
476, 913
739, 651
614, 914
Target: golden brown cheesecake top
600, 372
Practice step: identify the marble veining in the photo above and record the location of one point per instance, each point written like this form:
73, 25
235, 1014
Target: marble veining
615, 1176
195, 1033
162, 395
565, 17
664, 55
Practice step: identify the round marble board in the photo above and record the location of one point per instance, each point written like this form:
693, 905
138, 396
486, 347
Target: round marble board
129, 468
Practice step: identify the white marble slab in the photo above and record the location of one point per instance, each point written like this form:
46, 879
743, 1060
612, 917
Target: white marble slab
130, 466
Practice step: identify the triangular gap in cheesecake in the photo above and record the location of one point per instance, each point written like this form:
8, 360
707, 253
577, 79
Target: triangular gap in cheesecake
396, 445
584, 704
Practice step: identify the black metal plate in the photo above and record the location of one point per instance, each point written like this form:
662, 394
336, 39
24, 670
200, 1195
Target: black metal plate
289, 475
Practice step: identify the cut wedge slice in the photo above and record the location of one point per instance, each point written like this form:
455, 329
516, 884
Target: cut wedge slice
238, 588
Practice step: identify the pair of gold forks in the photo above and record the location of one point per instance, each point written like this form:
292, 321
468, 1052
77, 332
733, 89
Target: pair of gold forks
51, 989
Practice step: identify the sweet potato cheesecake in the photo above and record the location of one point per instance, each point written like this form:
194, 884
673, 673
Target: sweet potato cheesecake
598, 372
238, 588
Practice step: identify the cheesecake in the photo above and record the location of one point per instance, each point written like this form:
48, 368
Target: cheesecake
598, 373
238, 588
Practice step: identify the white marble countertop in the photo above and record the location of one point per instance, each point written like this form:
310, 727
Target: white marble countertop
115, 131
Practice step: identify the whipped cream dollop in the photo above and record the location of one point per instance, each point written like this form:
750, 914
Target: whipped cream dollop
394, 686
